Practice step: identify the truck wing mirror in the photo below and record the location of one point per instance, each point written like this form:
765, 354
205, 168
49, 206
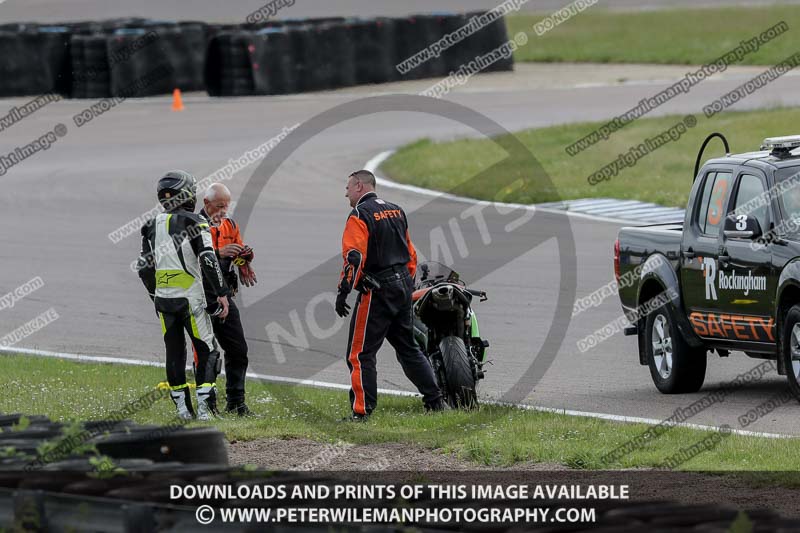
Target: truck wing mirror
741, 227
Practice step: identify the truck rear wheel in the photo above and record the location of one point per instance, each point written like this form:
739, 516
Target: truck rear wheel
675, 366
790, 349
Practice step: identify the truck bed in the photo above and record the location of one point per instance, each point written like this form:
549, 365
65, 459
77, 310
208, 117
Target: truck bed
638, 243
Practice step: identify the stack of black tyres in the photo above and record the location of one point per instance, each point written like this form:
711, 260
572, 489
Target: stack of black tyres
119, 440
82, 59
157, 59
461, 53
311, 71
412, 35
303, 47
228, 68
190, 56
47, 48
91, 75
434, 27
374, 49
182, 47
273, 65
55, 59
334, 57
489, 38
128, 72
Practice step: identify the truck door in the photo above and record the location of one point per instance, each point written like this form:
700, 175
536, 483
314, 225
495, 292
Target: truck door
746, 286
700, 248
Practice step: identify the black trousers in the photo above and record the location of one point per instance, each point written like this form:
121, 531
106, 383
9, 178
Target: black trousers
230, 335
198, 325
378, 315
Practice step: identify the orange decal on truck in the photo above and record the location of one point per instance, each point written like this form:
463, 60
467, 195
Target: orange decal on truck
738, 327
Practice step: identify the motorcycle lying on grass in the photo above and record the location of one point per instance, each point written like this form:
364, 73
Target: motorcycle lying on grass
446, 329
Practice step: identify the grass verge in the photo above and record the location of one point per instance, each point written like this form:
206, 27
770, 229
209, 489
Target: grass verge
675, 36
492, 435
664, 176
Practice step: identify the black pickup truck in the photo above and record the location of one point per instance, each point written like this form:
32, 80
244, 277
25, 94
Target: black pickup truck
727, 278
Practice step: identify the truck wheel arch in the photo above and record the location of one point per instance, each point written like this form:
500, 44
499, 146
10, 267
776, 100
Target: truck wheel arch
657, 277
788, 295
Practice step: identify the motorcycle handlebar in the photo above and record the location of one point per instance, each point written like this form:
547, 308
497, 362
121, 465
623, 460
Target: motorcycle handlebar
479, 294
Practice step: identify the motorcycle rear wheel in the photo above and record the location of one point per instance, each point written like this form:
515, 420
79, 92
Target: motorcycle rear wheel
461, 391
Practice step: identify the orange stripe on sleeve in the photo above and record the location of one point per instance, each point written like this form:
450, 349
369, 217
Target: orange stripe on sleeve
356, 236
412, 252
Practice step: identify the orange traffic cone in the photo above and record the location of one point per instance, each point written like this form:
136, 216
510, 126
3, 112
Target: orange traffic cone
177, 100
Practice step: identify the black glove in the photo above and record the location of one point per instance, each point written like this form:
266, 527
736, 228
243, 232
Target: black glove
214, 309
342, 309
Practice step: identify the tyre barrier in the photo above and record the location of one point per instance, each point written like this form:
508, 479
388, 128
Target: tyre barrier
125, 70
273, 70
187, 56
490, 38
99, 59
464, 51
91, 71
41, 444
374, 49
34, 62
228, 68
302, 44
411, 35
186, 445
135, 52
433, 28
333, 58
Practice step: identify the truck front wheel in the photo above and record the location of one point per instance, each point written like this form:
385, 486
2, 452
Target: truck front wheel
675, 366
790, 349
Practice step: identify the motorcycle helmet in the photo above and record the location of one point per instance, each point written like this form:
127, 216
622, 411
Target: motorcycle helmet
177, 189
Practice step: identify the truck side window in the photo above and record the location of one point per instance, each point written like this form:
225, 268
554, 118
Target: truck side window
751, 188
712, 203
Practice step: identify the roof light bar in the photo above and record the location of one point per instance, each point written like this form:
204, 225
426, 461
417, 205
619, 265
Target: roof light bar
781, 145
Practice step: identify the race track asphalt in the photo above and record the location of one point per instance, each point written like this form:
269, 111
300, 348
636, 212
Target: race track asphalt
60, 206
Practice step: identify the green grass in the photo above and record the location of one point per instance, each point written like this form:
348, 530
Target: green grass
492, 435
680, 36
664, 176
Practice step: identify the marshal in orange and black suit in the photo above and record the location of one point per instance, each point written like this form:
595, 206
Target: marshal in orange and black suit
376, 245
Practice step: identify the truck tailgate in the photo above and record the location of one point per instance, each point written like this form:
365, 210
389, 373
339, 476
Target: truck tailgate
636, 244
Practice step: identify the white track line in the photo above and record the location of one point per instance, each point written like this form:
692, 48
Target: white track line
649, 421
142, 362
